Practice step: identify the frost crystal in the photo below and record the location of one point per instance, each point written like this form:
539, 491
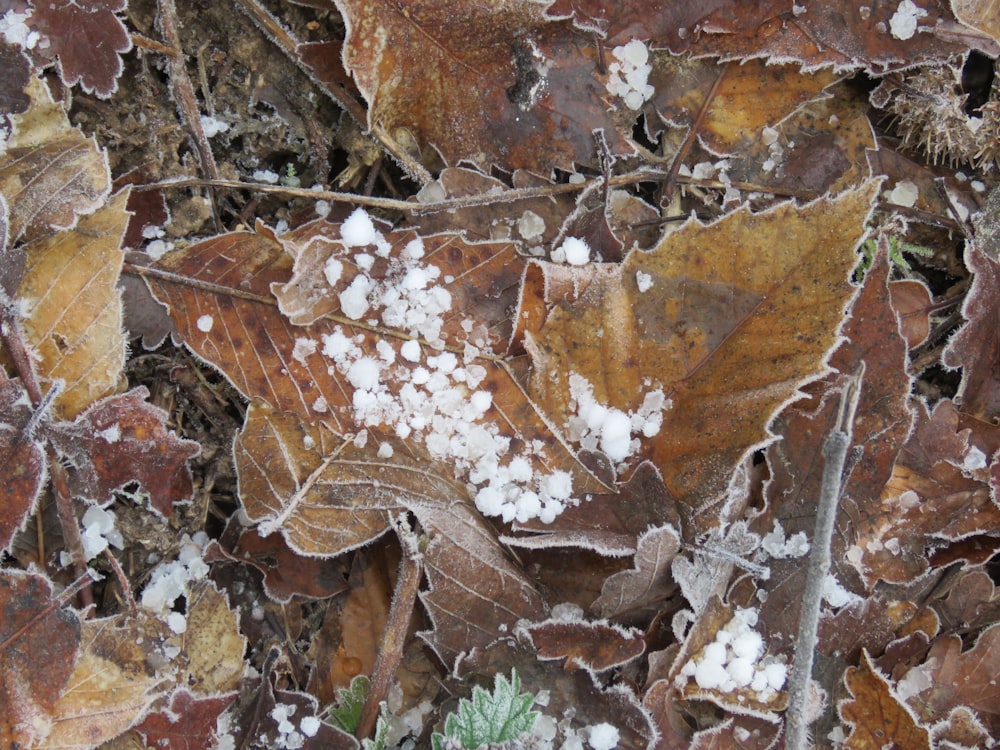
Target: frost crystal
611, 430
205, 323
733, 661
99, 531
628, 77
903, 23
425, 392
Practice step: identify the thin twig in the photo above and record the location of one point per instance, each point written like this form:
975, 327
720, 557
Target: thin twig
122, 582
835, 456
184, 95
411, 569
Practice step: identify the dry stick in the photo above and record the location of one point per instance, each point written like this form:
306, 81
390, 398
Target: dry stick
835, 456
184, 95
682, 152
411, 569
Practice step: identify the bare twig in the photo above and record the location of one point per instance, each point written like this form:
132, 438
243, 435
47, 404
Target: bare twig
835, 456
411, 569
183, 91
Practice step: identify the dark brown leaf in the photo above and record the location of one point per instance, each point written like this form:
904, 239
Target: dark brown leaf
22, 460
38, 647
88, 38
579, 644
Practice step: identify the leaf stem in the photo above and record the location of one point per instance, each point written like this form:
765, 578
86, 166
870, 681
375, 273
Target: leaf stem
411, 570
835, 457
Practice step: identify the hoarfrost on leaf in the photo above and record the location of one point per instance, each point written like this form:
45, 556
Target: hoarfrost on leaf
903, 23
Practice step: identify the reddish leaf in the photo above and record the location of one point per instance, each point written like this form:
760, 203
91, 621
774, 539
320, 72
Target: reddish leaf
876, 714
88, 37
579, 644
187, 724
38, 648
976, 347
951, 677
17, 71
22, 460
123, 439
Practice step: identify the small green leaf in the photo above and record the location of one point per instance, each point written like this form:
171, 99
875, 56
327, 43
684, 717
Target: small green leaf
347, 715
501, 716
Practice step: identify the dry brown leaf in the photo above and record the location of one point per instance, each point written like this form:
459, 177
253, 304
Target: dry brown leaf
112, 686
38, 647
740, 314
951, 677
749, 97
336, 496
877, 716
649, 581
22, 460
50, 173
72, 307
537, 102
579, 644
212, 642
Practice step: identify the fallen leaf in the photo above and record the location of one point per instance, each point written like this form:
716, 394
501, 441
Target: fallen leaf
50, 173
112, 686
976, 347
749, 97
23, 468
72, 307
912, 301
188, 723
537, 101
649, 581
951, 677
38, 647
740, 314
13, 99
579, 644
212, 642
87, 37
876, 715
123, 439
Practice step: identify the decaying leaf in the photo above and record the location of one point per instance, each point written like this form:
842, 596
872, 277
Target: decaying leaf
72, 307
188, 723
50, 173
594, 646
88, 38
876, 714
212, 642
950, 677
22, 460
38, 647
123, 439
739, 315
113, 684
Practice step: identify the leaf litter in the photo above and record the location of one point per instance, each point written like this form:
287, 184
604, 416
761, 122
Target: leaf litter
565, 362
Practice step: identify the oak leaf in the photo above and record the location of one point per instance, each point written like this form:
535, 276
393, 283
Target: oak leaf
876, 714
88, 38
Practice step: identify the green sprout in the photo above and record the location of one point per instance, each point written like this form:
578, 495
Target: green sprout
504, 715
896, 249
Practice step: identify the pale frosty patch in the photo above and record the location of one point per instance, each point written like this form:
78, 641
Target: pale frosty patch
735, 660
110, 434
604, 736
205, 323
905, 193
573, 251
303, 348
213, 126
531, 226
778, 547
333, 269
358, 229
15, 31
903, 23
628, 75
836, 595
265, 175
170, 580
99, 531
596, 426
643, 281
